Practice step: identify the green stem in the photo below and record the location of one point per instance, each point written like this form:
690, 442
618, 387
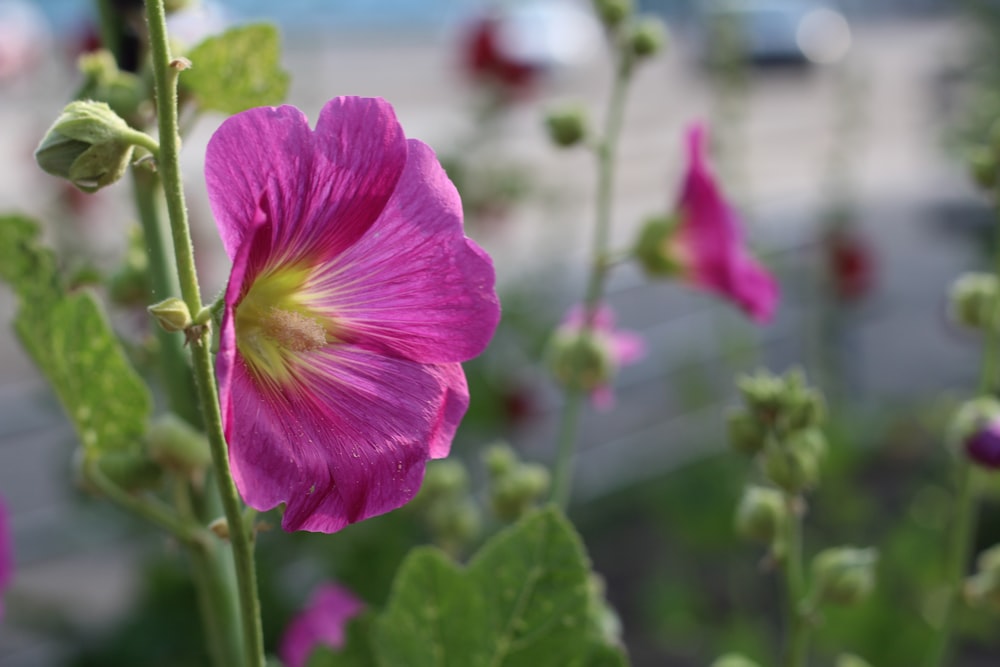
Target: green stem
606, 152
165, 76
797, 624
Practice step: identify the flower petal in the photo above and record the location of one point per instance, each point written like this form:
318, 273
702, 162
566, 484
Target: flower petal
414, 284
322, 623
323, 189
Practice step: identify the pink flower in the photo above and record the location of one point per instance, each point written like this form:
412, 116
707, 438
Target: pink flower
588, 360
708, 243
489, 63
353, 297
983, 446
6, 553
322, 623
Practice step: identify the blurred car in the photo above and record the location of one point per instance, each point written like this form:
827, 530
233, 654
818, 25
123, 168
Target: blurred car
772, 31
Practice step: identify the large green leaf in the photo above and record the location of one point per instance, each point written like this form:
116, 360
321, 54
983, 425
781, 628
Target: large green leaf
69, 338
237, 70
523, 600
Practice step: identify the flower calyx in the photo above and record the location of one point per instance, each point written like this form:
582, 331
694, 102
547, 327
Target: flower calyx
647, 37
655, 249
844, 575
567, 126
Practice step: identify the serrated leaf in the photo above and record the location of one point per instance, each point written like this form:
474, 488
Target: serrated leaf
523, 600
70, 340
435, 618
356, 651
238, 70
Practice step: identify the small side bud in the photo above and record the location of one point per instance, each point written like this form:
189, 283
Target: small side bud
745, 433
982, 589
172, 314
515, 493
653, 249
177, 445
500, 459
447, 478
220, 527
455, 524
567, 127
733, 660
974, 432
844, 575
580, 360
132, 471
973, 300
613, 12
89, 144
794, 466
761, 514
647, 37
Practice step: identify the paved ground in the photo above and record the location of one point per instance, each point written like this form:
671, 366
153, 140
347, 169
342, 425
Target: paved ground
913, 201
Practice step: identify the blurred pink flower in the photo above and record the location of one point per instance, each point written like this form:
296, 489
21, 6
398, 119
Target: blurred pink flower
353, 297
709, 245
322, 623
983, 446
488, 62
851, 264
6, 553
617, 347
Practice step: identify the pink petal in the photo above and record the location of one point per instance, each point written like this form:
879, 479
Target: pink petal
6, 553
627, 347
322, 623
323, 189
602, 398
414, 283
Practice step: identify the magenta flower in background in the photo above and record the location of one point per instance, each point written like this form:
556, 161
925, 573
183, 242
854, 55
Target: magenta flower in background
322, 623
615, 348
6, 553
353, 297
708, 243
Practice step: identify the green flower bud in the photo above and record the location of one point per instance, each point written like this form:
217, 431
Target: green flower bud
734, 660
455, 523
983, 167
500, 459
172, 314
974, 298
746, 435
761, 514
581, 360
104, 82
177, 445
792, 468
446, 478
989, 560
132, 471
653, 249
844, 575
567, 127
613, 12
850, 660
514, 494
89, 145
647, 37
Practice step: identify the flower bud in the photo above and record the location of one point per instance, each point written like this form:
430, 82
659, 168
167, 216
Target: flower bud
647, 37
104, 82
88, 144
581, 360
982, 589
974, 431
793, 467
447, 478
132, 471
613, 12
500, 459
567, 127
514, 494
983, 446
844, 575
220, 527
177, 445
850, 660
734, 660
653, 250
172, 314
455, 523
761, 514
974, 299
983, 167
746, 435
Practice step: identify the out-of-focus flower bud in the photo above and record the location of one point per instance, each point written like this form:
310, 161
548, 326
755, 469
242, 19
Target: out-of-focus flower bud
104, 82
983, 446
746, 434
89, 145
792, 468
734, 660
567, 126
647, 37
613, 12
515, 493
974, 431
983, 167
445, 478
761, 514
982, 589
581, 360
653, 250
455, 524
783, 403
844, 575
850, 660
172, 314
974, 299
500, 459
175, 444
220, 527
132, 471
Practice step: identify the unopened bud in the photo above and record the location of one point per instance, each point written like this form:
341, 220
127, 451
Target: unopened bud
89, 144
734, 660
177, 445
653, 250
613, 12
792, 468
132, 471
446, 478
455, 523
974, 300
514, 494
844, 575
500, 459
974, 431
220, 527
567, 127
648, 37
581, 360
761, 514
746, 435
172, 314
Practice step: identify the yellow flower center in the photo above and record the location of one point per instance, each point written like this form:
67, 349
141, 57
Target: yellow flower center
274, 323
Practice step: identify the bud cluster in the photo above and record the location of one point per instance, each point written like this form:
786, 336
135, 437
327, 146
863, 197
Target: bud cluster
843, 576
447, 507
515, 487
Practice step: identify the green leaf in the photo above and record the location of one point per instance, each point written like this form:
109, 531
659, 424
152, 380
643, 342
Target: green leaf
69, 338
237, 70
356, 651
523, 600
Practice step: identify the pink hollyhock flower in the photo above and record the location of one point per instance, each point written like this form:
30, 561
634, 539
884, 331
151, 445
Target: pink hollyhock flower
322, 623
488, 62
353, 297
6, 553
851, 264
704, 242
589, 359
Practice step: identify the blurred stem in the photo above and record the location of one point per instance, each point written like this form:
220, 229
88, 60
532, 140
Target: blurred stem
165, 72
796, 622
111, 28
599, 266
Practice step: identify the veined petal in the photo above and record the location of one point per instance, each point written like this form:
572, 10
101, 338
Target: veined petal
323, 189
414, 284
